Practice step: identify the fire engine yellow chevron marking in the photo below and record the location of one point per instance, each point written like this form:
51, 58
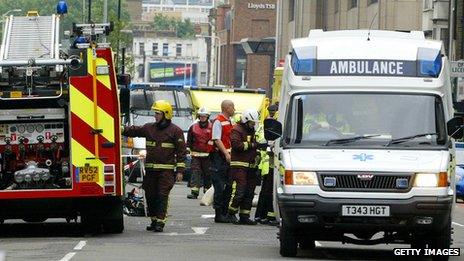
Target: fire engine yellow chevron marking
81, 106
79, 159
104, 119
89, 62
103, 79
84, 110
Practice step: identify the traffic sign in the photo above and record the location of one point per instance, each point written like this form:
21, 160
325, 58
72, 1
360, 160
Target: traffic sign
457, 68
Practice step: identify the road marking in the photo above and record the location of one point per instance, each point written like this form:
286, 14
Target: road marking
68, 256
197, 231
457, 224
200, 230
317, 243
80, 245
208, 216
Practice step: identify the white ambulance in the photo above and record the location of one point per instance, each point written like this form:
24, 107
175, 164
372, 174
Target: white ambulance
362, 150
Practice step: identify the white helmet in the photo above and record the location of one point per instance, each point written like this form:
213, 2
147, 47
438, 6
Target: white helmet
250, 115
203, 112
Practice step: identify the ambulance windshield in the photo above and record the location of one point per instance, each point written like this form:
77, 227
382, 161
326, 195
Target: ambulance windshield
371, 119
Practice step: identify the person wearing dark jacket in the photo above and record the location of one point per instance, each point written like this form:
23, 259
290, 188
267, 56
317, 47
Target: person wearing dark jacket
165, 154
243, 168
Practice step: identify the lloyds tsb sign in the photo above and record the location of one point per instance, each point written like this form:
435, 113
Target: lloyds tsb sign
261, 6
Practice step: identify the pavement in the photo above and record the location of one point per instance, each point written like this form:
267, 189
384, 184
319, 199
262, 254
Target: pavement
190, 234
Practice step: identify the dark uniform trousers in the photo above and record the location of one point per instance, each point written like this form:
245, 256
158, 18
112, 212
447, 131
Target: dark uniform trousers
221, 181
201, 176
157, 185
265, 207
243, 188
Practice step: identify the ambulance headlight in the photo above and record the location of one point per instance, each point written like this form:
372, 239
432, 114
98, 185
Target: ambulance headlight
431, 180
304, 60
301, 178
429, 62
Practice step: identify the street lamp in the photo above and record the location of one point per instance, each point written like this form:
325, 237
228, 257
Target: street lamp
217, 40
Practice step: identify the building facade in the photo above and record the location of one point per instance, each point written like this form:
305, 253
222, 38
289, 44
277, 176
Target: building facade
296, 17
234, 22
187, 53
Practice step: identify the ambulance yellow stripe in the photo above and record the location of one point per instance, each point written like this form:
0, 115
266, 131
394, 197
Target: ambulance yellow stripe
79, 159
84, 110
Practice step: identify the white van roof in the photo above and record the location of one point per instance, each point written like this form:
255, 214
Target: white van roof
354, 44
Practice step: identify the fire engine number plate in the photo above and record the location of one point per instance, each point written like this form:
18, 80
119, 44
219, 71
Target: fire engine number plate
88, 174
369, 211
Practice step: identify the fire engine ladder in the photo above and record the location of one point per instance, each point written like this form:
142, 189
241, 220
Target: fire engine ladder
31, 40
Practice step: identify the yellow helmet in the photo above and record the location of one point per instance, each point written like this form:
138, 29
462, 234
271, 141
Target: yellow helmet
164, 107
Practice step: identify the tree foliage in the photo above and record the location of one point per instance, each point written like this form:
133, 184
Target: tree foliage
183, 28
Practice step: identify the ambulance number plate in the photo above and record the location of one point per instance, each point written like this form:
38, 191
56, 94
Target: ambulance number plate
368, 211
88, 174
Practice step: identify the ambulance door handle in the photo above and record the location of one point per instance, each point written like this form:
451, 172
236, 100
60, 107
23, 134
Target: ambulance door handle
279, 156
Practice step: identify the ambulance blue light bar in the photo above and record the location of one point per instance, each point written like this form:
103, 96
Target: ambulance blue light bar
429, 62
304, 60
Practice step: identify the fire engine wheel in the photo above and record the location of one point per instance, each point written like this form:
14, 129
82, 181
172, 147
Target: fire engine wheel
90, 224
114, 221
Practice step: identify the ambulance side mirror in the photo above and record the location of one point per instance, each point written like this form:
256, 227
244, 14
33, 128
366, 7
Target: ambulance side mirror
272, 129
124, 100
456, 127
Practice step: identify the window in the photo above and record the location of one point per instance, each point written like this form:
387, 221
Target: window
165, 49
154, 49
372, 2
353, 4
291, 10
178, 49
337, 3
428, 4
318, 118
141, 48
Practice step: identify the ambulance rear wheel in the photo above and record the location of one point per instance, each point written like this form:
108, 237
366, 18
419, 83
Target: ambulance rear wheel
288, 243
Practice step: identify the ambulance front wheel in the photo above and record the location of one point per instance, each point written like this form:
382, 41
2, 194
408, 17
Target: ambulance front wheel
288, 242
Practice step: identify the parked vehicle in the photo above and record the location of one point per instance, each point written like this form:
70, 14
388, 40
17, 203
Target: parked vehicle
362, 141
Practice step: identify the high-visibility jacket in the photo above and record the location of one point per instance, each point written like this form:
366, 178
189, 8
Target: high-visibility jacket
336, 121
263, 164
243, 142
226, 130
165, 146
199, 139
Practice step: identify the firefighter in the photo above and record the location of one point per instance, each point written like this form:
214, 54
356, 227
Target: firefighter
243, 168
220, 160
165, 155
265, 210
200, 144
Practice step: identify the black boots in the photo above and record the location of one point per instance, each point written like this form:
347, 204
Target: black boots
151, 227
219, 217
246, 221
155, 226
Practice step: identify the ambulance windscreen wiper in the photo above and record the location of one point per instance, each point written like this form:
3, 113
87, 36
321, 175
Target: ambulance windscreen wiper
407, 138
348, 140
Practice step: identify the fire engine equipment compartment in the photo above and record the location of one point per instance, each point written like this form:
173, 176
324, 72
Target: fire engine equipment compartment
34, 148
